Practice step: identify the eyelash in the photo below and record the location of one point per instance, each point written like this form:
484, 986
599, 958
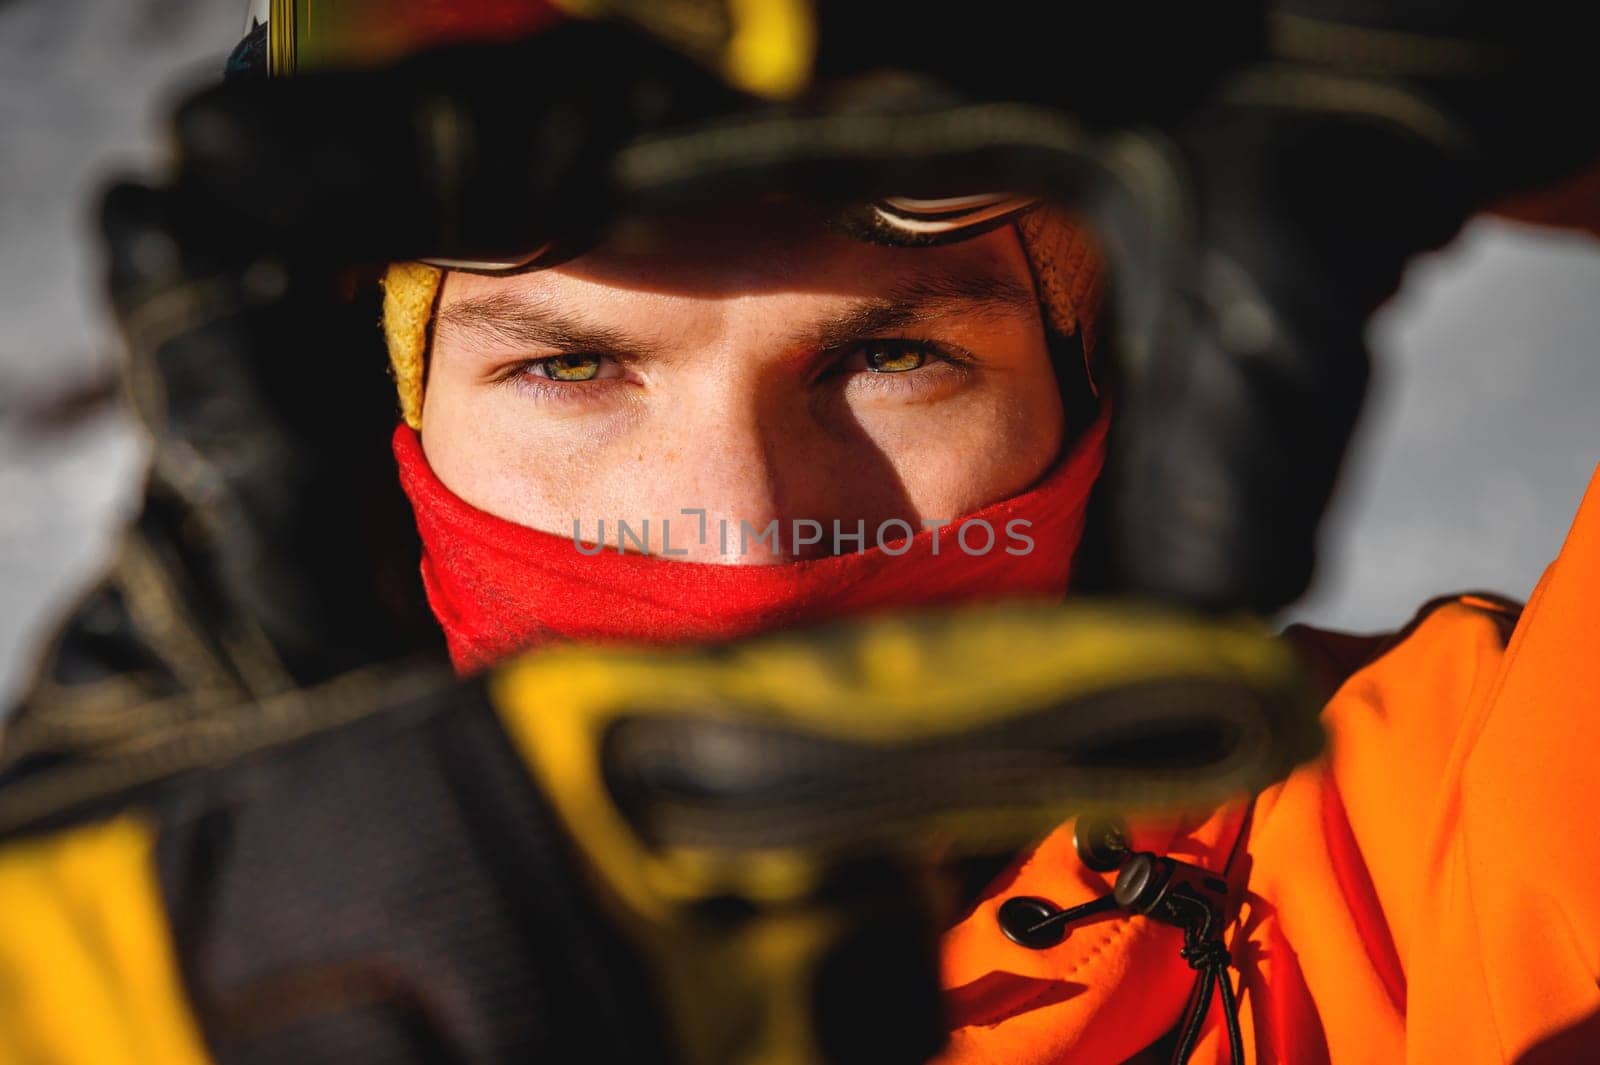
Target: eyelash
523, 377
943, 360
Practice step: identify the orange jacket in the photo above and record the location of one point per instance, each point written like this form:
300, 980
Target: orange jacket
1428, 891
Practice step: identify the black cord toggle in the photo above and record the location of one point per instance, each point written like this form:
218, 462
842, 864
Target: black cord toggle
1034, 923
1101, 841
1166, 890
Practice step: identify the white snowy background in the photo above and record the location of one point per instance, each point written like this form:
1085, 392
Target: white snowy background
1482, 433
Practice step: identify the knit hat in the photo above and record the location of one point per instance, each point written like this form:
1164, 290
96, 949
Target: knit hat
1065, 261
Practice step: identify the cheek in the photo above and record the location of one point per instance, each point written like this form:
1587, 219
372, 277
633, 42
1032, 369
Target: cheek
993, 440
981, 452
498, 452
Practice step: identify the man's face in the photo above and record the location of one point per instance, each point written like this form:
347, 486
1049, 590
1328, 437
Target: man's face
756, 369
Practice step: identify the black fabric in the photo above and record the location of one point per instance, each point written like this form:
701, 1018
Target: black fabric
249, 57
394, 892
875, 995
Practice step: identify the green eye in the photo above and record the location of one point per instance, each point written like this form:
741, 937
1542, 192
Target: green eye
894, 358
570, 367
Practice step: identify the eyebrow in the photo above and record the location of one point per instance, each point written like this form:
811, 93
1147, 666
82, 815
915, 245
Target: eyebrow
536, 320
926, 297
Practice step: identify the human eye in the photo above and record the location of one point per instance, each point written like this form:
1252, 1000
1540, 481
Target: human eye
900, 367
568, 368
570, 377
889, 356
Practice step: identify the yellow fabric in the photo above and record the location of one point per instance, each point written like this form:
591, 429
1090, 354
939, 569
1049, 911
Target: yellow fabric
87, 970
1066, 268
409, 291
764, 47
774, 46
891, 681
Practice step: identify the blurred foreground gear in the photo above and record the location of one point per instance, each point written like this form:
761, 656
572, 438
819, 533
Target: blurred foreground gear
741, 854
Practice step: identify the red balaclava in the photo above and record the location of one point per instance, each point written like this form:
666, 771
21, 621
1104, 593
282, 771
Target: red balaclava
497, 587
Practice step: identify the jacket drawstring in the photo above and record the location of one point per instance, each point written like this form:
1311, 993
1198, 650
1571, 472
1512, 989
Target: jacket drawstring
1163, 889
1210, 960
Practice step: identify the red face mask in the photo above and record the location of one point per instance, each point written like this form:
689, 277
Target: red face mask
498, 587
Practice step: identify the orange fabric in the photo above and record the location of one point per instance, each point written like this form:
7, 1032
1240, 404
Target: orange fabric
1428, 891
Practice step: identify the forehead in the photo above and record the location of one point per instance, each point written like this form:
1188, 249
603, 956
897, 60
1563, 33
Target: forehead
749, 251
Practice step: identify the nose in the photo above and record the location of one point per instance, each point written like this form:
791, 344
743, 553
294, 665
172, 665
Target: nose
757, 465
739, 473
766, 464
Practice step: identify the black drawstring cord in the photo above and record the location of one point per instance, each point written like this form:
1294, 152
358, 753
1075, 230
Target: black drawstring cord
1210, 961
1103, 904
1036, 924
1191, 898
1168, 891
